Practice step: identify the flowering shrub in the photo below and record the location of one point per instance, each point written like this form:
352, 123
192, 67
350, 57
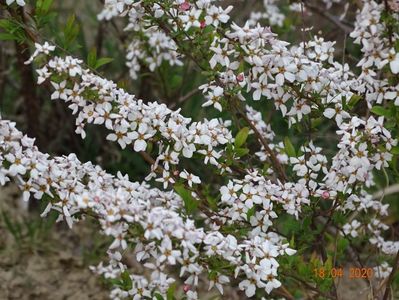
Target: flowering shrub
272, 210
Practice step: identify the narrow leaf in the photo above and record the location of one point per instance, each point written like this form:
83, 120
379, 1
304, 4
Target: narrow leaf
241, 137
189, 202
289, 148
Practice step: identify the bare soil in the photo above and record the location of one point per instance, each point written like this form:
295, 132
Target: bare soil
51, 265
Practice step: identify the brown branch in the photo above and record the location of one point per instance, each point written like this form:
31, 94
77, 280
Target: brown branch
276, 163
391, 277
389, 27
185, 97
309, 286
27, 88
329, 17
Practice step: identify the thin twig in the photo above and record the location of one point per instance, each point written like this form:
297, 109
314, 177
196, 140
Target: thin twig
329, 17
391, 277
276, 163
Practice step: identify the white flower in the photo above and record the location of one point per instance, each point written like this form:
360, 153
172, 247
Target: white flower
285, 72
18, 163
191, 19
352, 228
166, 179
60, 91
140, 136
261, 88
218, 281
337, 112
229, 192
121, 136
217, 14
167, 253
214, 98
249, 285
394, 62
191, 178
19, 2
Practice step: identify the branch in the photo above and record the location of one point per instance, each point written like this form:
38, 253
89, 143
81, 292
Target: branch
276, 163
391, 276
329, 17
393, 189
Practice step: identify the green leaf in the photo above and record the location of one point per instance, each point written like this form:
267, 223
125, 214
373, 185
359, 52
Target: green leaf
354, 100
212, 202
158, 296
250, 213
342, 244
176, 81
241, 152
92, 58
12, 227
292, 241
43, 6
395, 150
289, 148
103, 61
381, 111
127, 281
7, 37
71, 31
241, 137
171, 292
189, 202
8, 25
47, 5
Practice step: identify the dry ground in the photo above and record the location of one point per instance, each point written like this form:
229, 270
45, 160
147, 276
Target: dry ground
51, 265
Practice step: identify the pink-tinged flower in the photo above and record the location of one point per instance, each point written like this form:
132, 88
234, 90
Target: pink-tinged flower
325, 195
185, 6
240, 77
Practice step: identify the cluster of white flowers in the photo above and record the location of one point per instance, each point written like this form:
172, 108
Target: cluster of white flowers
382, 271
272, 14
279, 73
150, 44
162, 237
364, 147
131, 121
96, 100
378, 51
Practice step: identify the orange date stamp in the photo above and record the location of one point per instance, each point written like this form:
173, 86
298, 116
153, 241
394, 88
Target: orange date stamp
353, 273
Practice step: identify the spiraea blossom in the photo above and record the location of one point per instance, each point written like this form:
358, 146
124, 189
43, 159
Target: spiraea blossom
19, 2
229, 231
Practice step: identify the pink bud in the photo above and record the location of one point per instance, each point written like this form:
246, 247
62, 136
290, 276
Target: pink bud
97, 199
325, 195
176, 173
186, 288
202, 24
240, 77
185, 6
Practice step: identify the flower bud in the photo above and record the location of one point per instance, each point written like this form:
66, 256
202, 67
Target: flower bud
325, 195
184, 6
